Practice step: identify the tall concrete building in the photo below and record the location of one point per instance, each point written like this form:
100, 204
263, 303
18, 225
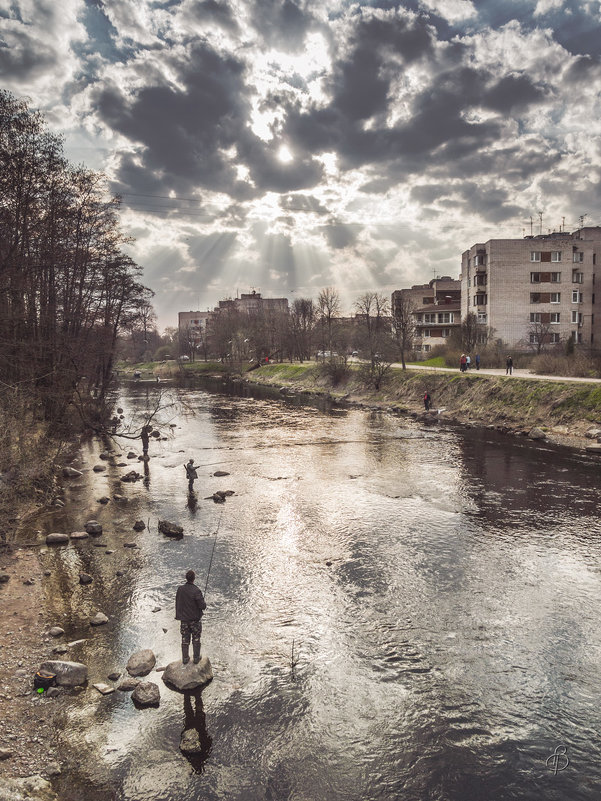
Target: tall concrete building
534, 292
436, 310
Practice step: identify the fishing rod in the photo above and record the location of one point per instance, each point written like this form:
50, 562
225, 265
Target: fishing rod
212, 552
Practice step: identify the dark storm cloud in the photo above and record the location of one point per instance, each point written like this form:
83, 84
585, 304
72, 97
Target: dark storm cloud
491, 202
513, 92
184, 130
283, 25
340, 236
217, 13
25, 57
272, 175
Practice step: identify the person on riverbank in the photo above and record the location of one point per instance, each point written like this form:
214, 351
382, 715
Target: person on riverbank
477, 361
468, 362
189, 606
462, 363
509, 366
427, 401
191, 474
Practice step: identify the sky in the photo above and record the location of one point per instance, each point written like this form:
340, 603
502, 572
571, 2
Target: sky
290, 145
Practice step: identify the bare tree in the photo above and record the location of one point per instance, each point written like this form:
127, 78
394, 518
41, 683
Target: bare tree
328, 309
374, 323
403, 326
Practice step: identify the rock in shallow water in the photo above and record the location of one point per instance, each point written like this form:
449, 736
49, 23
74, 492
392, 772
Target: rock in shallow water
68, 674
30, 788
188, 677
190, 742
127, 685
56, 539
141, 663
170, 529
99, 619
146, 694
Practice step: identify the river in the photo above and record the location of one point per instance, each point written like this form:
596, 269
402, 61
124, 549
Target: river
441, 589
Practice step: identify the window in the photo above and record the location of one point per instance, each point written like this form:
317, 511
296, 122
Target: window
535, 297
578, 257
577, 278
579, 338
556, 278
534, 278
534, 339
554, 318
426, 332
469, 282
479, 260
556, 255
480, 280
445, 317
481, 317
555, 297
574, 316
535, 317
535, 255
429, 318
445, 332
419, 317
427, 301
479, 300
577, 296
427, 348
554, 338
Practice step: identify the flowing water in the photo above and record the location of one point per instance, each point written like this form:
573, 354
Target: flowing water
394, 612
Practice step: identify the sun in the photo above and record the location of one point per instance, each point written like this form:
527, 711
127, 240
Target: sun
284, 155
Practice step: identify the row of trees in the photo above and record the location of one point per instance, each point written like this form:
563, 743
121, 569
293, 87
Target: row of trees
67, 287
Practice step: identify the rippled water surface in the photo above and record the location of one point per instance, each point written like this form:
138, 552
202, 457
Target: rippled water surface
442, 591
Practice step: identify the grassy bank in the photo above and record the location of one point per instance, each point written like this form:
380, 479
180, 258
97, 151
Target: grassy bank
512, 401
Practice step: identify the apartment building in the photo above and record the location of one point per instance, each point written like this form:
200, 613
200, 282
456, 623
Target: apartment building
534, 292
436, 310
194, 323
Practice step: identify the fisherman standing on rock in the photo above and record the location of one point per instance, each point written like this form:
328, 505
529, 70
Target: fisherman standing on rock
189, 606
191, 474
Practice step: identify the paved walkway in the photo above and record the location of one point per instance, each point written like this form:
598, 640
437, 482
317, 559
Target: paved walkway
494, 371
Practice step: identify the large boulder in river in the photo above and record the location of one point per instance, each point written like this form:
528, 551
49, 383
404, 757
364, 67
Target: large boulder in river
146, 693
170, 529
93, 527
57, 539
68, 674
141, 663
185, 678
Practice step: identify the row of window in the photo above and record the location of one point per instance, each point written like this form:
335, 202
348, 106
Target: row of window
444, 332
554, 318
436, 317
554, 338
555, 278
555, 297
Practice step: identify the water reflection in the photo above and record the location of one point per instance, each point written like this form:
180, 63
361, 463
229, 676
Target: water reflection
441, 589
195, 720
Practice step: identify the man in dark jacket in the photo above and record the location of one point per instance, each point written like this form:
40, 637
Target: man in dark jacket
189, 606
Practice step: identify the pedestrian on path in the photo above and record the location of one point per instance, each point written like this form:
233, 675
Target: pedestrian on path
509, 366
189, 606
468, 362
477, 361
462, 363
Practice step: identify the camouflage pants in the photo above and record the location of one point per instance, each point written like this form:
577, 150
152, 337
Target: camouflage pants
190, 629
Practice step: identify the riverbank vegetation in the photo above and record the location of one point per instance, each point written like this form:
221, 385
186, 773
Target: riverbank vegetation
67, 290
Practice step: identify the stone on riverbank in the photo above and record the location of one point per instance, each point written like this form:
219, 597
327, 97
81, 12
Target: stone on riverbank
57, 539
537, 433
139, 525
99, 468
146, 694
141, 663
170, 529
85, 578
56, 631
104, 499
4, 577
30, 788
133, 475
93, 527
219, 473
184, 678
68, 674
79, 535
99, 619
103, 688
121, 498
71, 472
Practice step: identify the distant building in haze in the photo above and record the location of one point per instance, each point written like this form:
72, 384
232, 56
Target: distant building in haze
436, 310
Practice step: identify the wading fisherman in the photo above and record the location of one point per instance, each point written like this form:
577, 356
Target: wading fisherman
189, 606
145, 437
191, 474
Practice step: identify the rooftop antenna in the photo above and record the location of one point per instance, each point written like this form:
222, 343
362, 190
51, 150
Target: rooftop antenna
540, 217
563, 224
581, 219
531, 232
